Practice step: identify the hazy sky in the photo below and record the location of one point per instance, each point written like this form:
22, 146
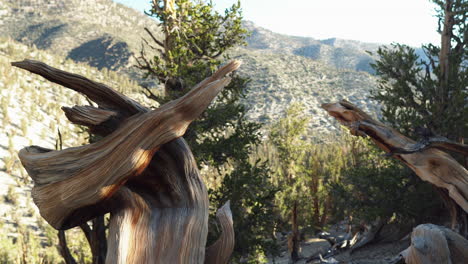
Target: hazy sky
384, 21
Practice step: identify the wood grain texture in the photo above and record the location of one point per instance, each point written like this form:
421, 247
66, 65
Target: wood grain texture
430, 164
221, 250
142, 171
431, 244
103, 95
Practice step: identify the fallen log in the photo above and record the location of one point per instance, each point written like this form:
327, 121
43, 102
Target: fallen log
429, 163
142, 172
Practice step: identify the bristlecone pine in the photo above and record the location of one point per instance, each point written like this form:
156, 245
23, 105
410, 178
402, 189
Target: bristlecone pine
430, 244
426, 159
142, 172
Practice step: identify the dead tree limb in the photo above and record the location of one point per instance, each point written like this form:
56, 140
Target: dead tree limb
142, 171
221, 250
430, 164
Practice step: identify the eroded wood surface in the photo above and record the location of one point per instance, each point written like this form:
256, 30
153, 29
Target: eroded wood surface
221, 250
429, 163
431, 244
142, 171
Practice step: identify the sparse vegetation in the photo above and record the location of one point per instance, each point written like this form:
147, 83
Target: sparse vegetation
30, 112
12, 197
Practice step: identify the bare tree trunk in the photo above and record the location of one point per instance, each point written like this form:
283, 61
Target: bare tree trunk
445, 50
63, 248
97, 240
326, 208
295, 234
142, 172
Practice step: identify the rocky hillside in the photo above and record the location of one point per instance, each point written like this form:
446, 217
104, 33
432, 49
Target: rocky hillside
283, 68
30, 114
99, 32
277, 80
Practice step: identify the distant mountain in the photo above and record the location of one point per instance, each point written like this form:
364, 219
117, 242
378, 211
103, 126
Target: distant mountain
277, 80
101, 33
283, 68
340, 53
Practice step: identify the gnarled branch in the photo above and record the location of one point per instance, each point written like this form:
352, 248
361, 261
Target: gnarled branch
430, 164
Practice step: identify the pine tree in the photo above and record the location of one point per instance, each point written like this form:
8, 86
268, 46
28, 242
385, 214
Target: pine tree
194, 42
286, 136
428, 97
425, 97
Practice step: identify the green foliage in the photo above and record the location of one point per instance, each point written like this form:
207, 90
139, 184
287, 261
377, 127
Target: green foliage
195, 38
251, 194
419, 93
303, 171
195, 35
377, 187
8, 251
12, 196
420, 97
286, 135
26, 247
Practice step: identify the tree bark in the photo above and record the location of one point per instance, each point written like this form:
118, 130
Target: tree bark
295, 234
430, 164
221, 250
142, 171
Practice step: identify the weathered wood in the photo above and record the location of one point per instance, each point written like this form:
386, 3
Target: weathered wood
142, 172
369, 236
431, 244
430, 164
433, 142
221, 250
103, 95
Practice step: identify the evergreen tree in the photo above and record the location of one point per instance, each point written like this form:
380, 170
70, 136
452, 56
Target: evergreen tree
424, 97
428, 97
195, 39
286, 135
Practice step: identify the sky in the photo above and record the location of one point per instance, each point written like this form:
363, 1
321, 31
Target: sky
410, 22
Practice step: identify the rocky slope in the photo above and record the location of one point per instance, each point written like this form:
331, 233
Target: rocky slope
277, 80
339, 53
99, 32
283, 68
30, 114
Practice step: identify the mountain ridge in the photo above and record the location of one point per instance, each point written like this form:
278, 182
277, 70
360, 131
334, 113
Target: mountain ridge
105, 34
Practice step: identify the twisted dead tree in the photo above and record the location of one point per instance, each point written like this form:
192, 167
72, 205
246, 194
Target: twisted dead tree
142, 172
426, 159
431, 163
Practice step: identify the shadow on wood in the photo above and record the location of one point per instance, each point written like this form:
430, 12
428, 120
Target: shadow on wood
142, 172
428, 162
433, 244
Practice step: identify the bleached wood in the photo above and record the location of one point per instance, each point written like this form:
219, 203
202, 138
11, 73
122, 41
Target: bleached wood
431, 244
142, 172
430, 164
